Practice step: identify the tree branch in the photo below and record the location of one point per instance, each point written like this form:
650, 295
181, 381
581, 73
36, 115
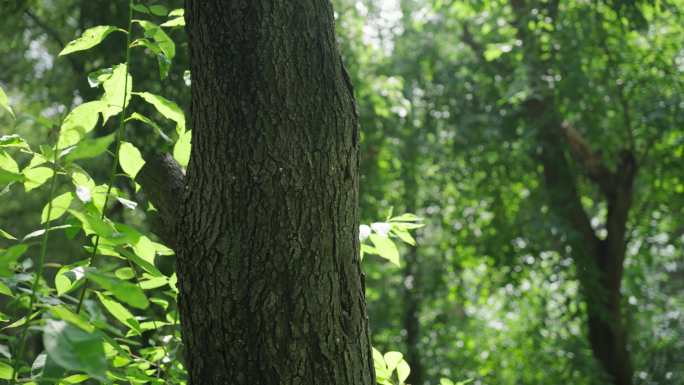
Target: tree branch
163, 181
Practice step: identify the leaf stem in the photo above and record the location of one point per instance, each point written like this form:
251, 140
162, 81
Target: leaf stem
119, 137
41, 265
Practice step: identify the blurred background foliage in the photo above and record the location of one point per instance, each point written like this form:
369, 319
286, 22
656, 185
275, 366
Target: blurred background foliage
490, 292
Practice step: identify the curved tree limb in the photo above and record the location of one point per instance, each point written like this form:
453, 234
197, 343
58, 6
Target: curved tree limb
163, 181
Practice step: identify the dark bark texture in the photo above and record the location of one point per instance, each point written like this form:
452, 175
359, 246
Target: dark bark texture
268, 265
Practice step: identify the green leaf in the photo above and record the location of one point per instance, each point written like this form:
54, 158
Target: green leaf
5, 290
167, 108
162, 59
119, 312
75, 349
6, 371
60, 205
144, 264
385, 248
80, 121
89, 39
13, 140
151, 123
8, 177
182, 148
90, 148
8, 163
93, 224
161, 44
403, 371
73, 379
96, 78
130, 159
381, 370
117, 87
68, 277
125, 273
63, 313
9, 257
392, 359
177, 12
175, 22
39, 232
154, 32
36, 177
154, 283
446, 381
404, 235
405, 218
4, 102
7, 235
158, 10
122, 290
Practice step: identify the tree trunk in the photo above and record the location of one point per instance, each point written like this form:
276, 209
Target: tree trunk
599, 263
268, 261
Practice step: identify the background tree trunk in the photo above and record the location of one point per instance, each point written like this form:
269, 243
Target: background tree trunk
268, 264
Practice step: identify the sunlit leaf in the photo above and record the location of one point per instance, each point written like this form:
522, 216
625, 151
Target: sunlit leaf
392, 359
60, 205
151, 123
117, 87
167, 48
405, 218
40, 232
182, 149
6, 371
96, 78
80, 121
7, 235
89, 39
175, 22
403, 371
5, 290
130, 159
13, 140
4, 102
167, 108
69, 277
36, 177
7, 163
385, 248
119, 312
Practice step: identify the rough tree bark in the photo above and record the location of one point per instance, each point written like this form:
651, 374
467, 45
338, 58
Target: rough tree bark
267, 236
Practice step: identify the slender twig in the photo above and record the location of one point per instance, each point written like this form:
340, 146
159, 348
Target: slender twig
119, 137
41, 264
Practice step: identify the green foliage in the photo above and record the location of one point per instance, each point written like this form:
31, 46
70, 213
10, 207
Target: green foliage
441, 88
91, 37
